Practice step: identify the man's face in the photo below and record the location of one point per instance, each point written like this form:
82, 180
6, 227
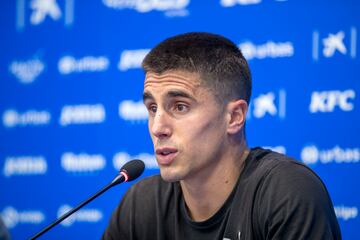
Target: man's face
186, 124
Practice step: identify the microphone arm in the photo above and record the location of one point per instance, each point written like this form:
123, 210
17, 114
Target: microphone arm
135, 169
66, 215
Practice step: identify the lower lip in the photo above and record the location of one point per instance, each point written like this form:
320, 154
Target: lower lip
166, 159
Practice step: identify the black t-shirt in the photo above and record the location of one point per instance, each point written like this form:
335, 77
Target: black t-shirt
275, 198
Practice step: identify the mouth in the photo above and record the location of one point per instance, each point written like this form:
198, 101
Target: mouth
165, 155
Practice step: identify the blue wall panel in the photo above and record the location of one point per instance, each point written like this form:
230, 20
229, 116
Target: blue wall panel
71, 89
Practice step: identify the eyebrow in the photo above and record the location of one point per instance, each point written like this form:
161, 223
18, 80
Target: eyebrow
147, 96
175, 93
170, 94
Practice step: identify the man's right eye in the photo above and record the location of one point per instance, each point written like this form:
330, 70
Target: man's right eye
152, 108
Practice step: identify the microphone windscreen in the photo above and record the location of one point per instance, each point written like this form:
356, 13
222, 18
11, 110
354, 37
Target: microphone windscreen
133, 169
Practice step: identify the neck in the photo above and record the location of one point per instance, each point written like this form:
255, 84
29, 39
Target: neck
205, 195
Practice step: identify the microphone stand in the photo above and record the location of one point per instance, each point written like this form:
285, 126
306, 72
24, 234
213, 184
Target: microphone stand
116, 181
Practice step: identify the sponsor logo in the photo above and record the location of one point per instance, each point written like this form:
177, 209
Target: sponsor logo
69, 64
133, 111
269, 49
82, 162
83, 215
346, 213
279, 149
173, 7
312, 155
269, 104
25, 165
334, 44
327, 101
27, 71
13, 217
231, 3
132, 59
121, 158
82, 114
12, 118
41, 10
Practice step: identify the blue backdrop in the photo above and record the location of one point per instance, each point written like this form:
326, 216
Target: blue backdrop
71, 91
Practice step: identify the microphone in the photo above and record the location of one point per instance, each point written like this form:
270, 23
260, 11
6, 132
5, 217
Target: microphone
130, 171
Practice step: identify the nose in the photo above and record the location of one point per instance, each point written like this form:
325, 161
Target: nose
160, 125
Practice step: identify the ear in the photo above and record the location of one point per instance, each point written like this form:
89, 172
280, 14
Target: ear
237, 115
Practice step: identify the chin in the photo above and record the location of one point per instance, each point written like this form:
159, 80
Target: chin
169, 176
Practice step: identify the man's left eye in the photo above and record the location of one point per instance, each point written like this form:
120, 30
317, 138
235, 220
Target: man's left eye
181, 107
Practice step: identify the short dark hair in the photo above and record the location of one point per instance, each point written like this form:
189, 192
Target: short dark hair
219, 62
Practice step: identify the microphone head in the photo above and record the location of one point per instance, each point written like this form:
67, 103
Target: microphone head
133, 169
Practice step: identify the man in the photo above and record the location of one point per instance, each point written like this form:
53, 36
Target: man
212, 186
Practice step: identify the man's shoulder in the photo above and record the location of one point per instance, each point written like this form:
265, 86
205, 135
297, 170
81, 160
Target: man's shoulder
265, 161
265, 166
273, 170
289, 192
